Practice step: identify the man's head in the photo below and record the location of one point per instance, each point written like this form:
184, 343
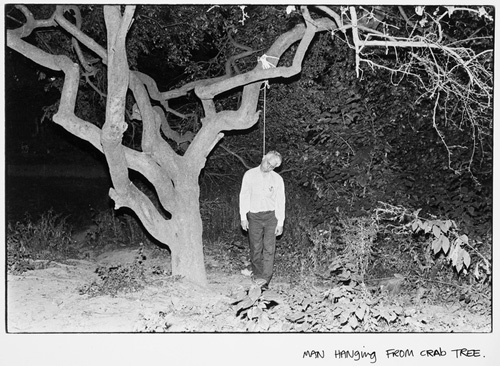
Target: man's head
270, 161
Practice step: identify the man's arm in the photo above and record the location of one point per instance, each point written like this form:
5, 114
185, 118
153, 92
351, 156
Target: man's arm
280, 207
245, 194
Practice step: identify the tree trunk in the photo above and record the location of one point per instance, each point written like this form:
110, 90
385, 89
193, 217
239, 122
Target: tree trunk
187, 256
187, 252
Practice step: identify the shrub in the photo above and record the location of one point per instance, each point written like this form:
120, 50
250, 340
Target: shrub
344, 308
48, 238
442, 237
357, 236
255, 307
342, 250
118, 278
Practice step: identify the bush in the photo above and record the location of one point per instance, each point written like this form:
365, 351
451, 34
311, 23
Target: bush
443, 241
255, 308
338, 250
118, 278
356, 237
48, 238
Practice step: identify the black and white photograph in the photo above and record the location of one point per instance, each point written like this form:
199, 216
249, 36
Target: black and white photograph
294, 180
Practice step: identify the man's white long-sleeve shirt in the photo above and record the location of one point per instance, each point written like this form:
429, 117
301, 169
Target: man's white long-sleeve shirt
262, 192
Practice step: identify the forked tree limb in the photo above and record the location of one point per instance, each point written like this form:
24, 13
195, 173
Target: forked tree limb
124, 192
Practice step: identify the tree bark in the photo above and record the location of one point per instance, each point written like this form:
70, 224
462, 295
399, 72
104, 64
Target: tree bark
187, 256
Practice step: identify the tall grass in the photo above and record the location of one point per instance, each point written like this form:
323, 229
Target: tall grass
47, 238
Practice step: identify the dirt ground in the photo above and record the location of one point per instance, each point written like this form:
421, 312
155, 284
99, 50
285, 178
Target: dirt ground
51, 299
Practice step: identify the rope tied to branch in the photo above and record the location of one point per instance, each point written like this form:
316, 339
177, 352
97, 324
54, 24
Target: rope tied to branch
266, 64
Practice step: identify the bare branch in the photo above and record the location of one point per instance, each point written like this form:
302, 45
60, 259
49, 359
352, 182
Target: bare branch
333, 14
355, 36
231, 61
80, 36
237, 156
155, 94
31, 23
93, 86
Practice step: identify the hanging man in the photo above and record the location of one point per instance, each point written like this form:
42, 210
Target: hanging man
262, 211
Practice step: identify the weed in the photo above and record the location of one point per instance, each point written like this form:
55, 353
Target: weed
341, 252
254, 306
118, 278
48, 238
154, 322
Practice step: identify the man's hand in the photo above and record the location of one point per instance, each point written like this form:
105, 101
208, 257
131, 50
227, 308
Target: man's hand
244, 225
278, 231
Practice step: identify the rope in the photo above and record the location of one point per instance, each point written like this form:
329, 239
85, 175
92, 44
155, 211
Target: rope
264, 123
266, 86
265, 65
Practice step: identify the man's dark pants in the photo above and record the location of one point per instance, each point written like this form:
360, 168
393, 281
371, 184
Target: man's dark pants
261, 234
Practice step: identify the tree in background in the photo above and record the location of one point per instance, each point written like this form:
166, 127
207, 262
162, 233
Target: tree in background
444, 64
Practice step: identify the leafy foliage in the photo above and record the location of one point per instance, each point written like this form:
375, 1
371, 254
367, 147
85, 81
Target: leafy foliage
443, 238
342, 251
355, 274
346, 308
256, 307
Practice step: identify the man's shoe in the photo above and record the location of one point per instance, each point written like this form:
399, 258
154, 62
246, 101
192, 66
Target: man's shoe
260, 282
247, 273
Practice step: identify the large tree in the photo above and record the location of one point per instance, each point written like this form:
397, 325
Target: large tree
174, 173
